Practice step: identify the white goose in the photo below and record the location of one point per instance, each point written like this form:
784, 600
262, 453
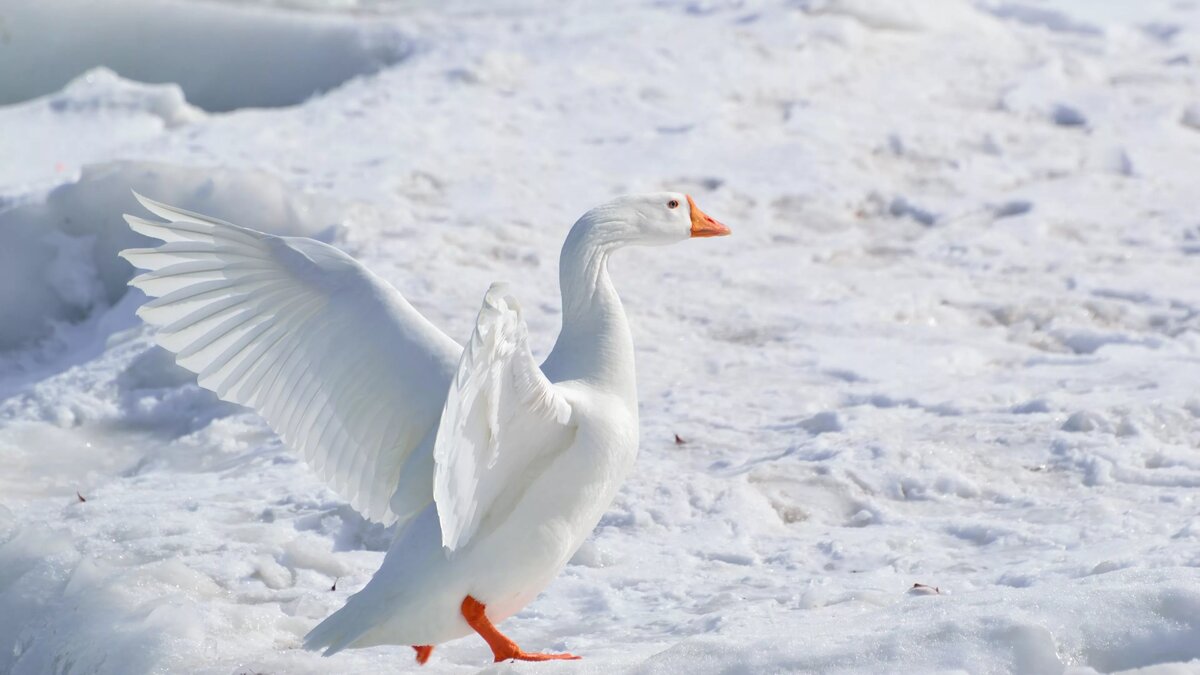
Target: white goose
493, 469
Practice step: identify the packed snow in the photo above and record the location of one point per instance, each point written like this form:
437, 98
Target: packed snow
932, 408
222, 59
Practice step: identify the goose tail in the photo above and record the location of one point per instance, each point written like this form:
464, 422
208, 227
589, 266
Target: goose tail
337, 632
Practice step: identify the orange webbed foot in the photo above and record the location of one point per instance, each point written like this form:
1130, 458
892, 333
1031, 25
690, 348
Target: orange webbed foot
423, 652
503, 649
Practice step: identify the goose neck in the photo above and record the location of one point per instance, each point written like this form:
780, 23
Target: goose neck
595, 343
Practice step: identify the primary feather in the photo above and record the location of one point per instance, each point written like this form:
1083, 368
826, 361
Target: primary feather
336, 361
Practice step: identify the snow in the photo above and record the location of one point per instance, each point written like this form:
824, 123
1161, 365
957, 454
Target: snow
60, 259
952, 342
222, 59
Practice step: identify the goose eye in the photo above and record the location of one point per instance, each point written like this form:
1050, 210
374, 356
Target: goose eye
673, 204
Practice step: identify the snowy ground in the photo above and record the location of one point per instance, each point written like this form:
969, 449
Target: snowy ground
954, 340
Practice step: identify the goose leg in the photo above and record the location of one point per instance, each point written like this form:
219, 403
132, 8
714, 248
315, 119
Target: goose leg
423, 652
502, 647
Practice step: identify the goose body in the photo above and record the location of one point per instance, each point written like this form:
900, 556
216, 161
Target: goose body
494, 469
416, 595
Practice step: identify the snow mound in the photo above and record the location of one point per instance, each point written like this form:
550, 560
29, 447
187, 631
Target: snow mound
59, 261
100, 91
224, 56
84, 122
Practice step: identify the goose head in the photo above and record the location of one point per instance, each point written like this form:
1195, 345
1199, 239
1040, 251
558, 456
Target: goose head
595, 343
653, 219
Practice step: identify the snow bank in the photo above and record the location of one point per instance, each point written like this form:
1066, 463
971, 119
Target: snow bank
59, 260
95, 115
223, 55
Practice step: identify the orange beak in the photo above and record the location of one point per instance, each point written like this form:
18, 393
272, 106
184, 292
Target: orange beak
703, 225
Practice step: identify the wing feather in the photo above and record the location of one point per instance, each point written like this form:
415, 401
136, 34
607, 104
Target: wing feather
338, 363
502, 417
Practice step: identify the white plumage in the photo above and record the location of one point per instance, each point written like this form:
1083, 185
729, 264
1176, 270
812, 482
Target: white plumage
502, 416
495, 470
266, 322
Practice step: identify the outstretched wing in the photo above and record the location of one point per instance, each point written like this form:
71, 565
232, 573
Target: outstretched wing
503, 423
338, 363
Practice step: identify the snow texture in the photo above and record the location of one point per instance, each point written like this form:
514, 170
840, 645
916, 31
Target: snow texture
953, 341
222, 59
